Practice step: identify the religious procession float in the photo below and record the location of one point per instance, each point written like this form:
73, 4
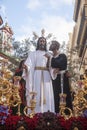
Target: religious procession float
66, 119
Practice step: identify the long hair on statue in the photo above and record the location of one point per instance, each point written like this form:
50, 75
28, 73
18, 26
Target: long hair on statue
38, 43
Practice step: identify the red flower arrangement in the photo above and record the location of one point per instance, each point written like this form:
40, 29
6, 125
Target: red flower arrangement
45, 121
13, 122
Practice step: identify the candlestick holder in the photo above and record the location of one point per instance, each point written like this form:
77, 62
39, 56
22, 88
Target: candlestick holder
64, 111
32, 105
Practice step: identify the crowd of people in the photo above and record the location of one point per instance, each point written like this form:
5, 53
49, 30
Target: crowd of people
46, 74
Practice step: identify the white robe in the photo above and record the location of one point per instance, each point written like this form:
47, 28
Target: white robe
39, 81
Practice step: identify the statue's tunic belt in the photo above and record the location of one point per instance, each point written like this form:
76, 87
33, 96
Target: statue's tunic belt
41, 68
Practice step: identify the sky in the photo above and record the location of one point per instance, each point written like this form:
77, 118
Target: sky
28, 16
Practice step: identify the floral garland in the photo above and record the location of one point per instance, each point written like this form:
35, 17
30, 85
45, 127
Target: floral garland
14, 122
44, 121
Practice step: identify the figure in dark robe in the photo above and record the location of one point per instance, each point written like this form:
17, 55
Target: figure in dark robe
22, 90
59, 66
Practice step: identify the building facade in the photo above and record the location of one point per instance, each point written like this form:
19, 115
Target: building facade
79, 36
6, 48
6, 34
